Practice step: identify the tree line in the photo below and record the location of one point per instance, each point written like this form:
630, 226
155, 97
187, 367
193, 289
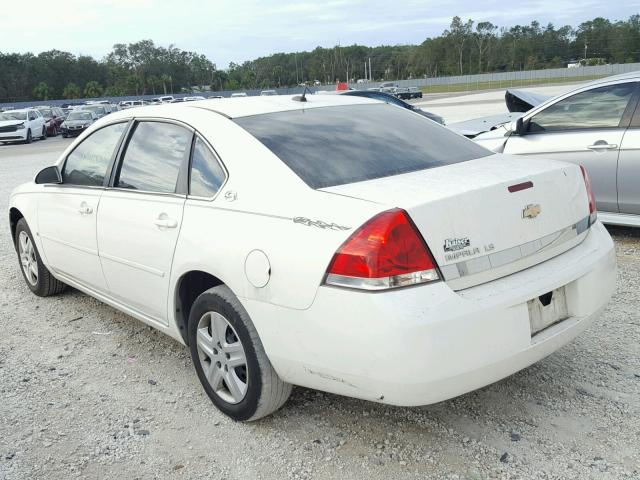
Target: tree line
466, 47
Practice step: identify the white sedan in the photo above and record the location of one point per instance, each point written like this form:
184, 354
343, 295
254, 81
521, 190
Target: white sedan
333, 242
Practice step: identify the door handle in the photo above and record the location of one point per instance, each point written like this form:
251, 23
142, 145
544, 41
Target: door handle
165, 222
85, 209
603, 146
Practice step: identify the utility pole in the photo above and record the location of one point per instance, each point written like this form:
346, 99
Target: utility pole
295, 56
365, 70
370, 76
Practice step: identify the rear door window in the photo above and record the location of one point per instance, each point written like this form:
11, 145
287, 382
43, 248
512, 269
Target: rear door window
331, 146
154, 156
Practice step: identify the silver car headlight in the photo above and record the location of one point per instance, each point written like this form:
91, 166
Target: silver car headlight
20, 126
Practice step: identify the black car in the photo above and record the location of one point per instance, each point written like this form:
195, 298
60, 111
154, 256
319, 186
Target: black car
77, 122
388, 98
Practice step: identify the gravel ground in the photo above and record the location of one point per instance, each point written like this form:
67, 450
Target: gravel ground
88, 392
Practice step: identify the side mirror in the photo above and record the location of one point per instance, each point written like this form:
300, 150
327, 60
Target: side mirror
49, 175
521, 127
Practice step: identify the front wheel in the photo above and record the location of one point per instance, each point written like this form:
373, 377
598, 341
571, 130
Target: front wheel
36, 275
29, 139
230, 360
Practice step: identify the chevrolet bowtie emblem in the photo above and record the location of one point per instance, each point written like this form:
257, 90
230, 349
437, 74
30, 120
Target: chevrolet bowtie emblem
531, 211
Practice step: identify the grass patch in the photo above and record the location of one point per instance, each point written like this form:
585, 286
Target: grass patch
500, 84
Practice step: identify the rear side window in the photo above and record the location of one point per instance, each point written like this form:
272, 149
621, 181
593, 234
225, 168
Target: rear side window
87, 164
207, 176
346, 144
154, 156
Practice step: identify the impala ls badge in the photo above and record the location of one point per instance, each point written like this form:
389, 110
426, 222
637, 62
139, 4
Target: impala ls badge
531, 211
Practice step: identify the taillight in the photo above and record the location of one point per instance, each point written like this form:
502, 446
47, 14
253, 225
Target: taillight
593, 212
386, 252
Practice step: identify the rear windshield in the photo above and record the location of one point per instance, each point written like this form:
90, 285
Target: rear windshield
337, 145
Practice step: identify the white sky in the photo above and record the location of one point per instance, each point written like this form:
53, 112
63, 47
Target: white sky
242, 30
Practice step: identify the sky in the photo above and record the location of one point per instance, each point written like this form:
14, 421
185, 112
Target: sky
243, 30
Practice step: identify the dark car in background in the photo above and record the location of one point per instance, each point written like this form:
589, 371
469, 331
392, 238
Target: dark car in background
408, 93
77, 122
98, 109
53, 116
392, 99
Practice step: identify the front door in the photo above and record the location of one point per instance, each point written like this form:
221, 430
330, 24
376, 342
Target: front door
585, 128
140, 217
67, 212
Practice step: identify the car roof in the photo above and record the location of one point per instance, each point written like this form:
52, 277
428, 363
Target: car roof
247, 106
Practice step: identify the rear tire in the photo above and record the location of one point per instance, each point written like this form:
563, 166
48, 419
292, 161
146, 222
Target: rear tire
37, 277
44, 133
216, 314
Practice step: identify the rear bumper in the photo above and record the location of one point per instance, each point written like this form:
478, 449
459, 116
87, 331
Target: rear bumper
422, 345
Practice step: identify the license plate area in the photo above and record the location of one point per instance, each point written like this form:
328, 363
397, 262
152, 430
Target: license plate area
547, 310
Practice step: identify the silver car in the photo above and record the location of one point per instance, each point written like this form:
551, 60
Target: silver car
596, 125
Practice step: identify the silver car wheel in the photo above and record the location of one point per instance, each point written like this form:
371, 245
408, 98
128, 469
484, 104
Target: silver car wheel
28, 258
222, 357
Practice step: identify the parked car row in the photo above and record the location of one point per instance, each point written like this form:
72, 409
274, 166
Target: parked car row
26, 124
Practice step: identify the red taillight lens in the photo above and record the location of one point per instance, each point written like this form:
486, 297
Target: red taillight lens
386, 252
593, 212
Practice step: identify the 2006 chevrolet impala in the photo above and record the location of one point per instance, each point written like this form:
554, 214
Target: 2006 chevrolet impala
332, 242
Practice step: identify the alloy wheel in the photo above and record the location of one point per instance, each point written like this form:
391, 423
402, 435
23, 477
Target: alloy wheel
222, 357
28, 258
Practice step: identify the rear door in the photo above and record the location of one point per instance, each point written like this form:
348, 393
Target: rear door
629, 168
140, 216
584, 128
67, 212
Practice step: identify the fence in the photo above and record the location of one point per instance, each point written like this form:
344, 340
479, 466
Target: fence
486, 80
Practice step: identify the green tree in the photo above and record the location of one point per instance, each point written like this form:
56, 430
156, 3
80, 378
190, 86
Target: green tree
92, 89
459, 32
114, 91
41, 92
71, 91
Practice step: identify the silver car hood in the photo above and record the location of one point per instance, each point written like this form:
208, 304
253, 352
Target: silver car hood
9, 123
521, 101
518, 102
476, 126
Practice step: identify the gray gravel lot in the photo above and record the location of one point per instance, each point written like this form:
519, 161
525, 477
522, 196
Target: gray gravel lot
88, 392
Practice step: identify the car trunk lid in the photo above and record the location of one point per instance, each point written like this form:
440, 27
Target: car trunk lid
487, 218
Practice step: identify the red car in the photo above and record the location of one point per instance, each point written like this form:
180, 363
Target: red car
53, 117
